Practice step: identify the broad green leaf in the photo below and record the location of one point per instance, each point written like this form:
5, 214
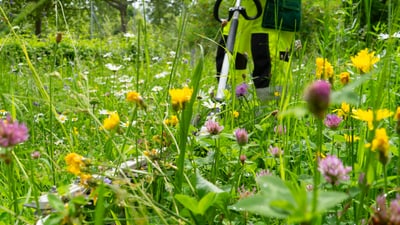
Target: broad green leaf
207, 201
347, 93
188, 202
259, 204
54, 219
329, 199
203, 186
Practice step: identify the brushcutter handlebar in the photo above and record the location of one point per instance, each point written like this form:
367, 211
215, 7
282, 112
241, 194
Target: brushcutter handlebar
241, 10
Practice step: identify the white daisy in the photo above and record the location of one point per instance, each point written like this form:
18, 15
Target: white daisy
113, 67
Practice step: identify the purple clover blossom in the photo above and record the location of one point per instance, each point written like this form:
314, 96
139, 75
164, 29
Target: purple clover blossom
241, 90
280, 129
12, 133
317, 96
275, 151
263, 173
395, 211
333, 170
241, 136
384, 214
213, 127
332, 121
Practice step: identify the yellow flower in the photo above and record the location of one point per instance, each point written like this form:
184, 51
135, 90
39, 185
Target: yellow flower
369, 117
350, 138
172, 121
324, 69
344, 110
111, 122
397, 114
179, 97
235, 114
365, 115
383, 114
84, 178
74, 163
381, 144
363, 61
133, 96
344, 77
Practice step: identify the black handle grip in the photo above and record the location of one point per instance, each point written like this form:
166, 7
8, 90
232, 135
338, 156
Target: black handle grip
242, 10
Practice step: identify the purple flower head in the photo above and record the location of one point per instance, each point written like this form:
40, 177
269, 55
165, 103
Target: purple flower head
241, 90
317, 96
332, 121
395, 211
280, 129
242, 159
241, 136
12, 133
333, 170
263, 173
213, 127
275, 151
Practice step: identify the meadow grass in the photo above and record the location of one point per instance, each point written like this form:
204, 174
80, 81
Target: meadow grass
91, 106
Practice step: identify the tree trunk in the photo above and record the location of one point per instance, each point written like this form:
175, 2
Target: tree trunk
123, 14
38, 26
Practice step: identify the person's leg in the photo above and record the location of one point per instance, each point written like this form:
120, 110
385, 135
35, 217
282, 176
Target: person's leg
262, 64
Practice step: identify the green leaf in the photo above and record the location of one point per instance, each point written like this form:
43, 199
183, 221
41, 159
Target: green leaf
259, 204
54, 219
56, 203
203, 186
347, 94
188, 202
207, 201
329, 199
274, 199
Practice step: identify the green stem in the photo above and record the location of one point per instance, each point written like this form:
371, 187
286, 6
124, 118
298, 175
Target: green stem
216, 159
13, 192
316, 173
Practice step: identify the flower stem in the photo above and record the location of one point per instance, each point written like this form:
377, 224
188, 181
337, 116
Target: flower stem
13, 192
316, 173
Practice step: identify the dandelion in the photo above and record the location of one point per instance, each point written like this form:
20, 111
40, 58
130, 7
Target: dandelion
380, 143
74, 163
333, 170
242, 136
111, 121
397, 118
12, 132
324, 69
369, 117
332, 121
317, 96
363, 61
241, 90
172, 121
344, 77
180, 97
213, 127
135, 97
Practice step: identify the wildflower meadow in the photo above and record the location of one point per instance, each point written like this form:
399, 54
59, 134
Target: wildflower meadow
105, 126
